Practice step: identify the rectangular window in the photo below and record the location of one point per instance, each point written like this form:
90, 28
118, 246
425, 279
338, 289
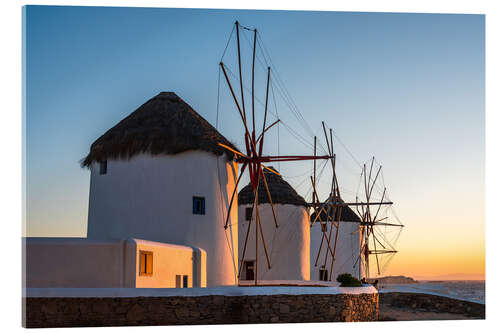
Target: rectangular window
146, 263
249, 265
248, 213
177, 281
185, 281
103, 167
199, 205
323, 274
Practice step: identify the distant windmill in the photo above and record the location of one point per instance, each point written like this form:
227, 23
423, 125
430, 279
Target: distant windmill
330, 214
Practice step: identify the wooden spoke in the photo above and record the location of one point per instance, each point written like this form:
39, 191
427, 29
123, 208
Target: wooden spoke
265, 112
248, 234
378, 209
335, 243
375, 223
261, 136
318, 213
232, 196
233, 150
366, 187
375, 180
376, 254
314, 165
367, 260
256, 232
271, 170
357, 209
320, 246
321, 209
269, 197
375, 238
332, 252
326, 138
253, 82
263, 240
370, 176
242, 112
239, 65
315, 194
330, 233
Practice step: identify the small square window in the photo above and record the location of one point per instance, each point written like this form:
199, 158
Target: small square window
185, 281
199, 205
248, 213
103, 167
323, 274
249, 269
146, 263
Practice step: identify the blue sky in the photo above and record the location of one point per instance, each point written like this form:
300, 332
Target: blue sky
406, 88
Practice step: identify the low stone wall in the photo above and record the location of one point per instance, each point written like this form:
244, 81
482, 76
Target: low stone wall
198, 310
432, 303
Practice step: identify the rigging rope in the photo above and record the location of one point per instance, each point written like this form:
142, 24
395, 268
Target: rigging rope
227, 44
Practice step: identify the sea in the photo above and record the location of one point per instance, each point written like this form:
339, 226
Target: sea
473, 291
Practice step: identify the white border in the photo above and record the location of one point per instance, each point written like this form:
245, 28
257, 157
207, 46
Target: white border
10, 18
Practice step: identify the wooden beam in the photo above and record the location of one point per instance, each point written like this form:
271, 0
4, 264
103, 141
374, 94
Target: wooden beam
253, 82
232, 196
270, 198
239, 65
263, 240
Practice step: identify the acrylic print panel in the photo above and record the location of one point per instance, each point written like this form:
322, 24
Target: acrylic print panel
196, 166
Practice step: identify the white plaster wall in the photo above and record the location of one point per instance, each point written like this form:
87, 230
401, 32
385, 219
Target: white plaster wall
77, 262
168, 261
150, 197
288, 246
83, 263
348, 247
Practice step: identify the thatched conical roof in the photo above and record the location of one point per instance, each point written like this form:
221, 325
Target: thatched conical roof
347, 214
163, 125
281, 192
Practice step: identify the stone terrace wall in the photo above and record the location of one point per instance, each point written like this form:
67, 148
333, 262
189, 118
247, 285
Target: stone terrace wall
194, 310
432, 303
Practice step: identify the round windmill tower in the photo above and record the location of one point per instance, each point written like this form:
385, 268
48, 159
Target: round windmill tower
288, 244
160, 175
348, 244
